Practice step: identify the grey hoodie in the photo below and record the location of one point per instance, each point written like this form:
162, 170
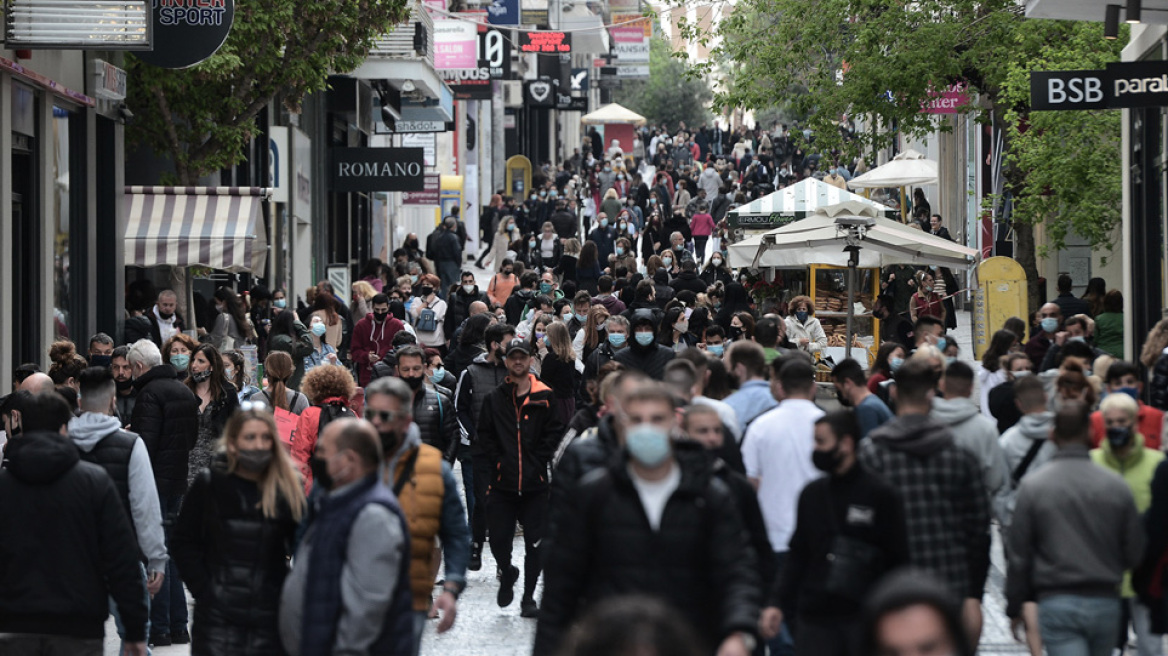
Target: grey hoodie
977, 434
89, 429
1015, 443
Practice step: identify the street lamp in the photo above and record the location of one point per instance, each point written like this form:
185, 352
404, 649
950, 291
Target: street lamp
853, 228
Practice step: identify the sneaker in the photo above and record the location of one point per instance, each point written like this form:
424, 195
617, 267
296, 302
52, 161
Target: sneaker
160, 640
528, 608
476, 557
507, 586
180, 637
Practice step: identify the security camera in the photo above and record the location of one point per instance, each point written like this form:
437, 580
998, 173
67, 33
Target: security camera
125, 113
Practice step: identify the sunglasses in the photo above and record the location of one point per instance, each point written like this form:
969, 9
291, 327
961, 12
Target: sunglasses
385, 416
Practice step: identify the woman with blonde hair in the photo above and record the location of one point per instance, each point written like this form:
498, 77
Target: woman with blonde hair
328, 390
363, 294
569, 260
507, 233
278, 369
232, 540
559, 369
611, 205
1155, 357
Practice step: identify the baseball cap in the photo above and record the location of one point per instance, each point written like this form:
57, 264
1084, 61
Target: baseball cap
519, 345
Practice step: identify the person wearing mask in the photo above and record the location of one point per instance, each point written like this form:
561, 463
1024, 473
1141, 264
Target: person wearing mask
643, 352
328, 390
1025, 444
100, 440
948, 530
233, 536
894, 326
1126, 453
432, 408
746, 361
231, 326
1079, 328
373, 338
425, 487
442, 380
849, 532
427, 314
322, 352
101, 350
1124, 378
478, 381
178, 351
926, 302
62, 567
803, 329
716, 271
278, 370
1050, 319
616, 339
889, 358
159, 323
1001, 399
519, 429
127, 396
1075, 530
292, 337
851, 389
460, 300
166, 417
217, 402
992, 372
604, 546
358, 535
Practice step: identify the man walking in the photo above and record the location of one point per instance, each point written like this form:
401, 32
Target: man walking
948, 527
66, 544
519, 430
349, 592
1074, 532
747, 366
445, 250
424, 486
851, 386
100, 439
166, 417
159, 324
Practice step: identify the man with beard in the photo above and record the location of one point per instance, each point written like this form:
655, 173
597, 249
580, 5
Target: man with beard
425, 488
157, 324
124, 380
373, 338
851, 387
433, 407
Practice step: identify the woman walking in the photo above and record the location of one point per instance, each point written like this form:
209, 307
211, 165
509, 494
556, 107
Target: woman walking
217, 401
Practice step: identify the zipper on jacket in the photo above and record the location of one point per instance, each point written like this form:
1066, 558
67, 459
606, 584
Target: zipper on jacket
518, 435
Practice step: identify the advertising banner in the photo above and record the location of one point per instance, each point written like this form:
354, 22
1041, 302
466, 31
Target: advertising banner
455, 43
545, 42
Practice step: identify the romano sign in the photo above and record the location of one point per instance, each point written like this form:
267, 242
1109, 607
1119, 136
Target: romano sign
377, 169
1120, 85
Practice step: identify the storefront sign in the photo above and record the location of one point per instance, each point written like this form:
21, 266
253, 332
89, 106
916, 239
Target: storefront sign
633, 20
278, 163
951, 100
539, 93
186, 32
111, 81
1120, 85
455, 42
579, 79
427, 141
377, 169
468, 83
496, 52
503, 12
419, 126
545, 42
632, 72
430, 195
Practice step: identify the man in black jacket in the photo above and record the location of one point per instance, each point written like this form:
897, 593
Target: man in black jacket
849, 504
655, 522
157, 324
433, 407
458, 303
643, 352
688, 279
166, 417
519, 430
66, 545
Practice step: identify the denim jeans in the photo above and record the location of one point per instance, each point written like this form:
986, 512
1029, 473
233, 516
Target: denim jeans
1078, 626
419, 629
118, 616
1147, 643
168, 612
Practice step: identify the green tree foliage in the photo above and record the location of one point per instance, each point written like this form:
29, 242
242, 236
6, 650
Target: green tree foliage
201, 117
879, 60
671, 94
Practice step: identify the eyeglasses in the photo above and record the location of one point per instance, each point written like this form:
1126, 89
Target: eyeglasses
249, 405
384, 416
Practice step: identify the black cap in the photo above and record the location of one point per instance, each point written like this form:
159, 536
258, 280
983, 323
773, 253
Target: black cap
13, 401
518, 345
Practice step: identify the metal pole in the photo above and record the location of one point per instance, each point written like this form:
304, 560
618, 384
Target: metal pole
851, 303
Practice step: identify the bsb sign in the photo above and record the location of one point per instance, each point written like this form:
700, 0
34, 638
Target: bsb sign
377, 169
1120, 85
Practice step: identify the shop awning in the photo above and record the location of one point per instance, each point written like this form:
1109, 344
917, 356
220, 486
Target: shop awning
794, 202
216, 227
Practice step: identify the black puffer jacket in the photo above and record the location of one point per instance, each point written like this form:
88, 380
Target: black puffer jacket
234, 561
649, 359
1159, 387
66, 545
698, 561
458, 307
166, 417
519, 436
437, 419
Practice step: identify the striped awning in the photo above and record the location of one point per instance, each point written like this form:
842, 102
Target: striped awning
793, 202
216, 227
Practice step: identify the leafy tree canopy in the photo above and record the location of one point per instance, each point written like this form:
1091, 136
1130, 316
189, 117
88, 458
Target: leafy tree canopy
670, 95
201, 117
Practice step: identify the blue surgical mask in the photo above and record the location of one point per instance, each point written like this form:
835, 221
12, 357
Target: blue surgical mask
644, 339
667, 261
941, 344
620, 250
617, 339
438, 374
543, 193
413, 277
280, 303
531, 243
180, 361
716, 349
604, 223
950, 360
1133, 392
1050, 324
319, 329
895, 363
801, 316
647, 445
581, 317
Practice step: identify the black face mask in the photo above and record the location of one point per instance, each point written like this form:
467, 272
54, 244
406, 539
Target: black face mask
826, 461
735, 333
165, 315
500, 354
100, 360
380, 316
414, 382
124, 385
389, 442
320, 473
427, 290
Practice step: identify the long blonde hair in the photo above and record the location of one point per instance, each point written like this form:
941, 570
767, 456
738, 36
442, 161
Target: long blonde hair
1155, 344
559, 341
280, 483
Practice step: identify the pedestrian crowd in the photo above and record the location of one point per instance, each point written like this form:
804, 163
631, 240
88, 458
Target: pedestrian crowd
322, 478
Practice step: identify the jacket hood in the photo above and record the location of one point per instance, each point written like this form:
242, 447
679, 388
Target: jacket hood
919, 435
1037, 426
91, 428
953, 411
41, 458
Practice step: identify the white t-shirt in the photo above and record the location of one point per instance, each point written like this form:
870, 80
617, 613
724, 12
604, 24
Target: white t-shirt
547, 247
655, 494
777, 451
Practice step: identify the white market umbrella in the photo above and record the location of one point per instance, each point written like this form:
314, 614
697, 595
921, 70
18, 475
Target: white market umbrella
797, 201
907, 169
613, 113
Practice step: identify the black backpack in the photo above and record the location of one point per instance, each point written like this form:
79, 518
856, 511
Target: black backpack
331, 411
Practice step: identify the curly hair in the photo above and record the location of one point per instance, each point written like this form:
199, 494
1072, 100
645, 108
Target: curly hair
327, 381
185, 339
802, 299
66, 363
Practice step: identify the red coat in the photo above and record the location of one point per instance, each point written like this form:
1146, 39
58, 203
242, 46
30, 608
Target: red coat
304, 442
369, 337
1149, 422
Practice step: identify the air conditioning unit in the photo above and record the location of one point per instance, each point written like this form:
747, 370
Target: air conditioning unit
513, 94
